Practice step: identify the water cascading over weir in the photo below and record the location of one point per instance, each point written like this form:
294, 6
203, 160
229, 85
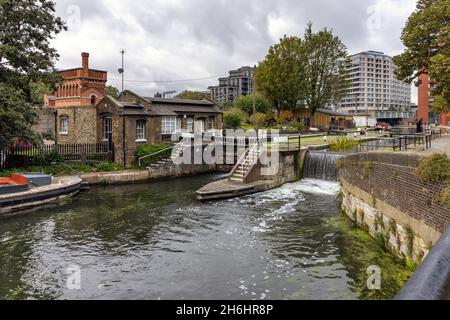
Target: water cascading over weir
321, 165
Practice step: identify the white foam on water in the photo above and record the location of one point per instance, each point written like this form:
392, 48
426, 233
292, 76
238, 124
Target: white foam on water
284, 200
315, 186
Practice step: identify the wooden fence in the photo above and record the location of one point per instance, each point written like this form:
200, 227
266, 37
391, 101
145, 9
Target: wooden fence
22, 156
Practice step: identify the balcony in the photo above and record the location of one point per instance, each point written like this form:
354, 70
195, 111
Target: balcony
394, 115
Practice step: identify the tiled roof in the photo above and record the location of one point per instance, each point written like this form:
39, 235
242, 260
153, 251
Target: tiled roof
172, 110
178, 101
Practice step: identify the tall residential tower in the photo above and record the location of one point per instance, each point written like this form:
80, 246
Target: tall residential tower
374, 89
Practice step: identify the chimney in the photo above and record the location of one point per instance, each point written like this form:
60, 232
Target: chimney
85, 60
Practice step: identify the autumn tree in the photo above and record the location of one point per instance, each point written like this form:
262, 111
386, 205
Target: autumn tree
426, 37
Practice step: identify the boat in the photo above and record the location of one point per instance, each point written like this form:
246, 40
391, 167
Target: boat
30, 190
13, 184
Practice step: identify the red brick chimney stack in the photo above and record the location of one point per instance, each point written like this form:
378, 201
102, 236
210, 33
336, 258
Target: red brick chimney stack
85, 61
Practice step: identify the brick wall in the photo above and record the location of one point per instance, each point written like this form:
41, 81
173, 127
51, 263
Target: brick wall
391, 177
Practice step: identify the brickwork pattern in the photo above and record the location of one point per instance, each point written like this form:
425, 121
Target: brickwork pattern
397, 185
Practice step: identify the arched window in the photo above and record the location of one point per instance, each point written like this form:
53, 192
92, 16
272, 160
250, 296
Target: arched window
63, 125
93, 99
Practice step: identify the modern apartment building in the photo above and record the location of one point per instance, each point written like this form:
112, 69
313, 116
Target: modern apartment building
238, 83
374, 89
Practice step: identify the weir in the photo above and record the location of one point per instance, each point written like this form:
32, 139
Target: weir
321, 165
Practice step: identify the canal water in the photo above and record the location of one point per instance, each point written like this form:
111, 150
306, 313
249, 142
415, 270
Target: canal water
156, 241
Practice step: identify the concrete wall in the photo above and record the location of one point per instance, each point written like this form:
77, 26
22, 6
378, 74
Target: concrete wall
384, 195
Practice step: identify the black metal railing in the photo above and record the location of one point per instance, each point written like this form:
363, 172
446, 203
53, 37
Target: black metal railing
399, 143
20, 156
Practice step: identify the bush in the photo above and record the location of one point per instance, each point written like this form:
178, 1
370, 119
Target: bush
148, 149
285, 117
445, 197
270, 119
232, 119
245, 103
46, 159
299, 126
434, 168
343, 144
258, 120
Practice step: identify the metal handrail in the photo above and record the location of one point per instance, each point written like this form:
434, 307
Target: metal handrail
244, 155
153, 154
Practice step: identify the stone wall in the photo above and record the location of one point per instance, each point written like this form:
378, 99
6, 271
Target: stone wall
384, 195
81, 124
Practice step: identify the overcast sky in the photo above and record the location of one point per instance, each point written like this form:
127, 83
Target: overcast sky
168, 40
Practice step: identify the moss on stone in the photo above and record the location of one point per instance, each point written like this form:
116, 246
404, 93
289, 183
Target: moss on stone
409, 239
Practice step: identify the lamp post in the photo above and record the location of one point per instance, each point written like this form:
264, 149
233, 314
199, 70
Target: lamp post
254, 89
121, 70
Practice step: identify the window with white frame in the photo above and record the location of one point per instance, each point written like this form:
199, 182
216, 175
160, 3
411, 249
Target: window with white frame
168, 124
190, 125
107, 128
210, 123
140, 130
178, 124
64, 125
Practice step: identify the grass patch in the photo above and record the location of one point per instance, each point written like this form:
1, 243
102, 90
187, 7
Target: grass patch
60, 169
343, 144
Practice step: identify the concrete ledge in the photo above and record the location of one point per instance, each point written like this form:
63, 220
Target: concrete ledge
140, 176
425, 232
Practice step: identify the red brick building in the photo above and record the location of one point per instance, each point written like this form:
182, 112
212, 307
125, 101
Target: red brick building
425, 100
81, 86
75, 100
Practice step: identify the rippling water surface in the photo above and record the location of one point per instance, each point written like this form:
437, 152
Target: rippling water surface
156, 241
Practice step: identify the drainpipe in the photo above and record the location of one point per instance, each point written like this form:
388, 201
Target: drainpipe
56, 127
432, 279
123, 142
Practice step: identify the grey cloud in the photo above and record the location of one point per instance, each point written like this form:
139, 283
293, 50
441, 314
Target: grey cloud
198, 38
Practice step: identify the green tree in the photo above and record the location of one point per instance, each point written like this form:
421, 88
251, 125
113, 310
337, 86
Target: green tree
280, 76
426, 37
112, 91
26, 63
245, 103
226, 105
325, 70
192, 95
258, 120
304, 72
231, 120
